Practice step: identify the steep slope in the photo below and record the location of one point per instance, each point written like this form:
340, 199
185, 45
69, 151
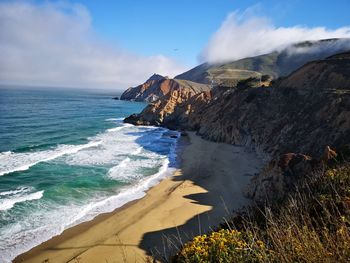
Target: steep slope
176, 108
151, 90
158, 86
304, 112
275, 64
307, 112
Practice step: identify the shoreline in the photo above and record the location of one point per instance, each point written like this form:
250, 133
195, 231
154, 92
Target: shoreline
179, 207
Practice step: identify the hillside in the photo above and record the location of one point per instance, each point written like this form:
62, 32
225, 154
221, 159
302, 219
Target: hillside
303, 113
300, 127
275, 64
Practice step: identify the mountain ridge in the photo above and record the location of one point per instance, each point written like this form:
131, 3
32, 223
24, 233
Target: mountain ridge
275, 64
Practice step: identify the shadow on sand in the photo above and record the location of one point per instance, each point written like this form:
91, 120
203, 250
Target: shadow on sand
221, 170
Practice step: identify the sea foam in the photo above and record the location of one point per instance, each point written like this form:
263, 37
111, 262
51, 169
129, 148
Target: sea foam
9, 198
12, 162
125, 149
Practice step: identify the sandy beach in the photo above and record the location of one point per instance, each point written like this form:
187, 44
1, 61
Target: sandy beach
205, 190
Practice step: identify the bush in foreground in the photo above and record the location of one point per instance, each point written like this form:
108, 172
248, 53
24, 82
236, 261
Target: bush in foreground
311, 225
224, 245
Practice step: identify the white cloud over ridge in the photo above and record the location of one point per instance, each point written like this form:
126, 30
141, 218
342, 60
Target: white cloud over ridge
246, 35
54, 45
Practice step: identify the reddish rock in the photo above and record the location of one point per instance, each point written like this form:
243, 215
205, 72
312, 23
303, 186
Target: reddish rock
148, 91
158, 87
328, 154
278, 177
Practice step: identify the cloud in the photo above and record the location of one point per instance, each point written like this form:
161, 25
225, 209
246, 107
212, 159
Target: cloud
55, 45
244, 35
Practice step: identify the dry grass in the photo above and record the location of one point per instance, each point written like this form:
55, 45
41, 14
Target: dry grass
310, 225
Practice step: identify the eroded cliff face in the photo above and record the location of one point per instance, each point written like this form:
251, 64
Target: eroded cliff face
304, 113
177, 110
153, 89
157, 87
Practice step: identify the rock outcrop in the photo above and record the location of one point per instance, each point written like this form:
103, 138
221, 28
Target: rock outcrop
179, 107
278, 175
157, 86
149, 91
305, 112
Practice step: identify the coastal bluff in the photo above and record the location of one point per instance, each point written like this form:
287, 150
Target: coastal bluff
301, 114
157, 87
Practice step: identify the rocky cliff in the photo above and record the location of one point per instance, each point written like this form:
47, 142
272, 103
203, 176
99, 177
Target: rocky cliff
177, 108
157, 87
149, 91
304, 113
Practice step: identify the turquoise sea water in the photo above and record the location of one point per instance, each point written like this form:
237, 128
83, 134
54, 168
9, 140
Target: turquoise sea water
65, 157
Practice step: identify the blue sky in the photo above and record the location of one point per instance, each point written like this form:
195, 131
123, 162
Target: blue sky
155, 26
115, 44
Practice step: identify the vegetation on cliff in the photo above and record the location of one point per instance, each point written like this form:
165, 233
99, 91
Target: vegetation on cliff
300, 125
311, 224
224, 245
301, 113
302, 211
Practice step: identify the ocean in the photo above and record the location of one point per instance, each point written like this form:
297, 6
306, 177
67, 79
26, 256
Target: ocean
66, 156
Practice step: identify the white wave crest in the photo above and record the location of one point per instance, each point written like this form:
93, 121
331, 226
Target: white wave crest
129, 150
119, 128
10, 198
126, 195
16, 191
115, 119
129, 170
116, 143
13, 162
118, 169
